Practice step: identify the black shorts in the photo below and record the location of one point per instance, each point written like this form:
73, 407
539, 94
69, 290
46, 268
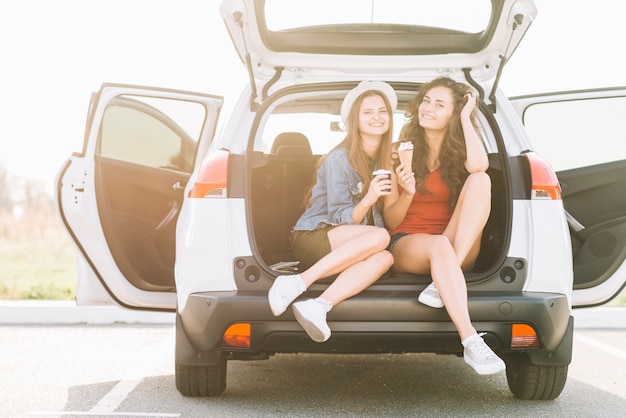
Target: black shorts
309, 246
394, 239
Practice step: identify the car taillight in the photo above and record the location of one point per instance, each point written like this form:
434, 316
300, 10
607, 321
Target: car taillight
212, 178
524, 336
545, 184
238, 335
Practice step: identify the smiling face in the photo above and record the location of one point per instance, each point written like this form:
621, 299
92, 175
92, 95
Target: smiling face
436, 109
373, 116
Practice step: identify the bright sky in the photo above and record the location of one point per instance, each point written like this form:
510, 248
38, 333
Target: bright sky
56, 53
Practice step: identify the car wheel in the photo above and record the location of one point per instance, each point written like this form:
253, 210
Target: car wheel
201, 380
528, 381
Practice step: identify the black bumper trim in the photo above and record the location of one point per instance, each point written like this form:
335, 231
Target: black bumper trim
379, 321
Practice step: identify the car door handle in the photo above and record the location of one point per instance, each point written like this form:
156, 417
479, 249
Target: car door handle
171, 215
178, 186
573, 223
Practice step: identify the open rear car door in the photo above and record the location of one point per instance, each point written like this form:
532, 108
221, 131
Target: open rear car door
583, 135
126, 189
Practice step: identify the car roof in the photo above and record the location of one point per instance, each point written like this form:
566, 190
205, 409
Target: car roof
292, 42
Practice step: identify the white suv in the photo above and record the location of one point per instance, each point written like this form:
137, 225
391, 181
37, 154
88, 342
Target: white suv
169, 216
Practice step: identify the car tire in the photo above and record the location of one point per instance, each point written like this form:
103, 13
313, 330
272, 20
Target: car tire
532, 382
201, 380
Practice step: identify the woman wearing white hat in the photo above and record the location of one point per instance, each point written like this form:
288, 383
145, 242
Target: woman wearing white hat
341, 231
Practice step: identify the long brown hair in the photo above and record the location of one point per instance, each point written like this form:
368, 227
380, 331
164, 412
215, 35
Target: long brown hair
359, 160
452, 154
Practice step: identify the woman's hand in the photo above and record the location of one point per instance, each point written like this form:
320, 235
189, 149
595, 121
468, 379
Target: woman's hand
469, 106
379, 186
406, 178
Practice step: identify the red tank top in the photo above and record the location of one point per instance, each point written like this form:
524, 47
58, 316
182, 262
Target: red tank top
428, 213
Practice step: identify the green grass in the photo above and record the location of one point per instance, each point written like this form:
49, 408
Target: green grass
37, 259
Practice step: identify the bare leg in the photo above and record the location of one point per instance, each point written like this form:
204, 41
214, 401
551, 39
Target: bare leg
359, 256
469, 218
350, 244
423, 254
450, 282
358, 277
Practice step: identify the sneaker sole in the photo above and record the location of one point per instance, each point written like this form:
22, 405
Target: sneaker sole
428, 301
318, 335
485, 369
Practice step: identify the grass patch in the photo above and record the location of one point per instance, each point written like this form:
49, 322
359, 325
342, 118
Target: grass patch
37, 257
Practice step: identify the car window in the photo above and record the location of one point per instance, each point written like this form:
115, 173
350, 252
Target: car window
466, 16
323, 130
578, 133
316, 117
154, 132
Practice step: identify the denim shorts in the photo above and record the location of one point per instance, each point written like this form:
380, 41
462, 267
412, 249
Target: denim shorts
394, 239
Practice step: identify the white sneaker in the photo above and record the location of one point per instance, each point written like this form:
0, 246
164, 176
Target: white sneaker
480, 357
311, 315
430, 297
284, 291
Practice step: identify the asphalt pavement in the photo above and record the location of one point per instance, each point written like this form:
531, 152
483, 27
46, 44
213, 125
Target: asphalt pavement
66, 312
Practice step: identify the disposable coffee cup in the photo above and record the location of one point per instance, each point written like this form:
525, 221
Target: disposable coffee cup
381, 172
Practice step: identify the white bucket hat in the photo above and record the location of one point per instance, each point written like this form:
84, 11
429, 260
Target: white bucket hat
364, 86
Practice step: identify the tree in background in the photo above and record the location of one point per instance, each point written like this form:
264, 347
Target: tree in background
26, 210
6, 203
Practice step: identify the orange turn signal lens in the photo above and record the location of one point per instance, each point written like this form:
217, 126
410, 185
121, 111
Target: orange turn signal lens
238, 335
523, 336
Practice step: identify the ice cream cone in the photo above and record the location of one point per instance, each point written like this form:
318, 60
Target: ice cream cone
405, 153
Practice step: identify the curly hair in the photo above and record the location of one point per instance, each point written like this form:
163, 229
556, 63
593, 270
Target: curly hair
452, 154
360, 161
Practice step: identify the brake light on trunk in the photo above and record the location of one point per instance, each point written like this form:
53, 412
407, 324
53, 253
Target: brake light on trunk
545, 184
212, 180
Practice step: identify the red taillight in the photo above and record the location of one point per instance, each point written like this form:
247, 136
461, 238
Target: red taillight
545, 184
212, 178
238, 335
524, 336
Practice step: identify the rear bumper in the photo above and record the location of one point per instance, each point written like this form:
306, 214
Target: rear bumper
380, 322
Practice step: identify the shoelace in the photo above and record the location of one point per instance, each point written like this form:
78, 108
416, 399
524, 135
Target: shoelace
480, 347
327, 305
288, 292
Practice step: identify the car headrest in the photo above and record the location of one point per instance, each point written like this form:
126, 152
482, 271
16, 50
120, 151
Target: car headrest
291, 143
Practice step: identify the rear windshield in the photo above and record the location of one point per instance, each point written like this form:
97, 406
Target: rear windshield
457, 15
377, 27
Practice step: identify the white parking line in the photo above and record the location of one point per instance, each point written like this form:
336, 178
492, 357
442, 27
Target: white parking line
113, 399
97, 414
605, 347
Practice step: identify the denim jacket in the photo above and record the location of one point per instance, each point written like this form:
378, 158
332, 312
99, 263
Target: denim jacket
335, 195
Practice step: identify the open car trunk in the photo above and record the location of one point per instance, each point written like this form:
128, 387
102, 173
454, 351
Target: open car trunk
292, 139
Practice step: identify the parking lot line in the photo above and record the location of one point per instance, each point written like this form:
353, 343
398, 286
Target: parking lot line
112, 400
96, 414
107, 405
605, 347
